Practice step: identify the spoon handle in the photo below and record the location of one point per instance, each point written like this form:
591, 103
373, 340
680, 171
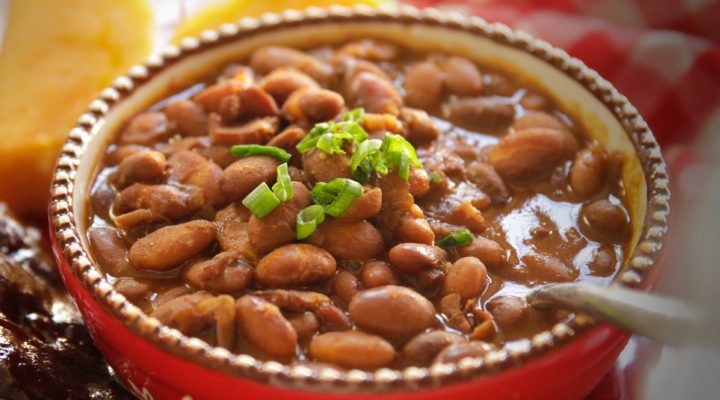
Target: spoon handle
665, 320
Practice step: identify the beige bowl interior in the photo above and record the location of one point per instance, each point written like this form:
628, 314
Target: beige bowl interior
590, 112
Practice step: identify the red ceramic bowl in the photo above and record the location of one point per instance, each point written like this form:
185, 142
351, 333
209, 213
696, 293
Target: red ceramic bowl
158, 362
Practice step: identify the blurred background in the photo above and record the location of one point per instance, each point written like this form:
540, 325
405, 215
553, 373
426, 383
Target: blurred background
663, 54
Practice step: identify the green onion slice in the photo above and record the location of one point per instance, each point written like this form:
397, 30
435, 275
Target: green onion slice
329, 136
337, 195
435, 177
261, 201
400, 154
283, 187
308, 219
355, 115
458, 238
256, 149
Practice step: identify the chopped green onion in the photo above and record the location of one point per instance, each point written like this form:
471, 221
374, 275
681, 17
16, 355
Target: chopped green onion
261, 201
256, 149
329, 136
283, 187
400, 154
435, 177
458, 238
336, 195
308, 219
366, 159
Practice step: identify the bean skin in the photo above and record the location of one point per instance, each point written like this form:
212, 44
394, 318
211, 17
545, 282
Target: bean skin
165, 200
364, 207
410, 258
467, 277
462, 77
392, 310
244, 175
110, 249
142, 166
419, 181
508, 310
492, 112
211, 97
348, 240
322, 167
262, 324
193, 169
169, 246
544, 120
352, 349
488, 251
587, 176
423, 85
425, 346
456, 352
489, 181
375, 94
345, 286
414, 230
378, 273
306, 325
227, 272
605, 217
266, 59
179, 313
295, 264
278, 227
145, 129
282, 82
552, 269
420, 126
189, 117
527, 154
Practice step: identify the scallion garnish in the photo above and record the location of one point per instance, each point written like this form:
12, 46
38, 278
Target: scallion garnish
330, 136
256, 149
261, 201
367, 158
283, 187
337, 195
458, 238
435, 177
308, 219
400, 154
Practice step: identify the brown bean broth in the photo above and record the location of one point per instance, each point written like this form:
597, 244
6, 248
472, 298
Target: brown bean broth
539, 218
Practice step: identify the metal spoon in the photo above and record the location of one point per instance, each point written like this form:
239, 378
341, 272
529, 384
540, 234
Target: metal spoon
666, 320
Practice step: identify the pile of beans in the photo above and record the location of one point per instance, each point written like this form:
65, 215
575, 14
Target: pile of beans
507, 193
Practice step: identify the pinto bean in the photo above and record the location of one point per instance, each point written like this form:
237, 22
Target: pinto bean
414, 230
466, 214
142, 166
227, 272
111, 251
322, 167
193, 169
345, 286
248, 103
145, 129
288, 140
302, 300
508, 310
306, 325
348, 240
486, 250
450, 306
550, 267
278, 227
233, 236
262, 324
266, 59
378, 273
370, 49
420, 126
352, 349
136, 218
233, 212
528, 153
425, 346
604, 261
534, 101
423, 85
467, 277
212, 96
545, 120
189, 117
364, 207
430, 279
179, 313
164, 200
392, 310
410, 258
374, 93
282, 82
605, 216
169, 246
498, 84
377, 125
311, 105
462, 77
257, 131
457, 351
490, 112
295, 264
489, 181
245, 174
419, 182
587, 176
132, 289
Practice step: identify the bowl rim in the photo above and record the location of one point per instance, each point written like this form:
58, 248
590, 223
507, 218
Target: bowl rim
638, 269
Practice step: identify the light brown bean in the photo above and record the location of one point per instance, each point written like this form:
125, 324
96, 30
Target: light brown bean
486, 250
306, 325
345, 286
164, 200
322, 167
489, 112
410, 258
211, 97
549, 268
262, 324
508, 310
266, 59
189, 117
414, 230
282, 82
467, 277
227, 272
142, 166
425, 346
169, 246
348, 240
605, 216
392, 310
528, 153
244, 175
587, 176
489, 181
352, 349
378, 273
364, 207
462, 77
278, 227
295, 264
145, 129
420, 126
193, 169
423, 85
374, 93
111, 251
457, 351
256, 131
419, 181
